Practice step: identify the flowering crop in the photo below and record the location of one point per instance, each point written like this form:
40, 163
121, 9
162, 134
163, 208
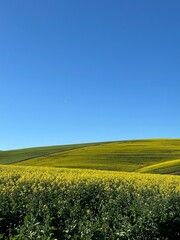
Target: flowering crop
48, 203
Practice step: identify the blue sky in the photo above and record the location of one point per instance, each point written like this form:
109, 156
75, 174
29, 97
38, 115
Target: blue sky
87, 71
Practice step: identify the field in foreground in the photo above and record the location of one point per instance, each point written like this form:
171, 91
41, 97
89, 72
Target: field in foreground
129, 156
48, 203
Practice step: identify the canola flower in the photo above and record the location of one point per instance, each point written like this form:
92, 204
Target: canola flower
52, 203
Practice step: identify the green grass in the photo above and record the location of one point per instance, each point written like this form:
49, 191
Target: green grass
120, 156
12, 156
172, 166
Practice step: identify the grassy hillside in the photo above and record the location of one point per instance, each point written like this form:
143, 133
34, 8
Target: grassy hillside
172, 166
9, 157
121, 156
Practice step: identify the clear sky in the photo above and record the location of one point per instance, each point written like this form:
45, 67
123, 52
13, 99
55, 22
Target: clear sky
86, 71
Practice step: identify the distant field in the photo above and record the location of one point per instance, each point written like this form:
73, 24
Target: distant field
9, 157
137, 155
172, 166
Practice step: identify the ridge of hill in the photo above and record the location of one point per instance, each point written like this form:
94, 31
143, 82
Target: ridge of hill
150, 155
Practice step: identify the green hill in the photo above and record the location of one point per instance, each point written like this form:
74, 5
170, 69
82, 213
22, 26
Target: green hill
172, 166
12, 156
136, 155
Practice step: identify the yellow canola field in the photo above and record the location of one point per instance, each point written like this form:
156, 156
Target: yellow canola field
54, 204
75, 176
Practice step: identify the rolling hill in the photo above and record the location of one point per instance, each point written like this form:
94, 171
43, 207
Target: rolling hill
171, 166
153, 156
